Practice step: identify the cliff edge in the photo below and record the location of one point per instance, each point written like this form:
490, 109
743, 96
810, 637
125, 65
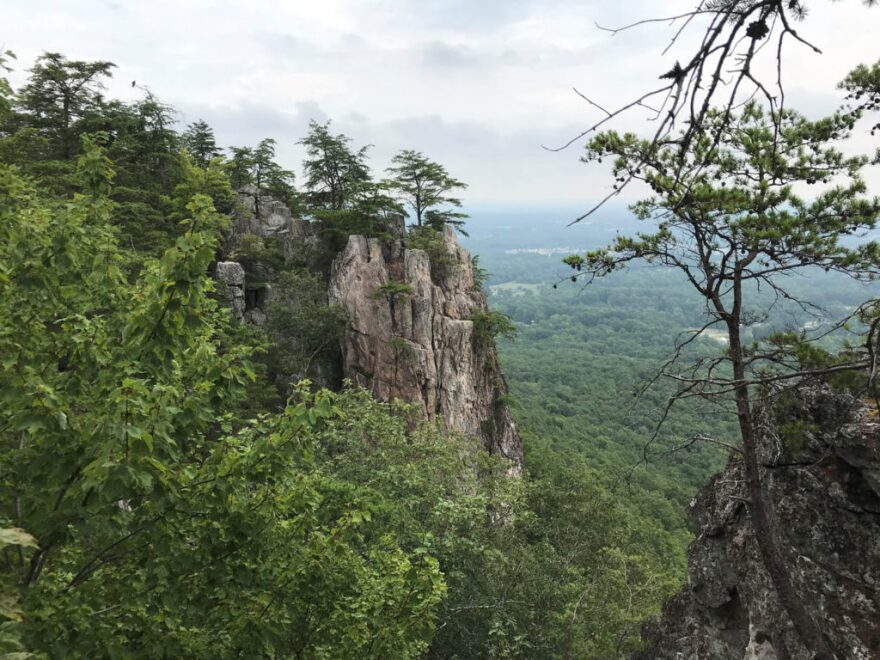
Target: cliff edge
821, 471
412, 335
412, 319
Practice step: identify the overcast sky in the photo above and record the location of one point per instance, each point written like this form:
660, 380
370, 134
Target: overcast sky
479, 85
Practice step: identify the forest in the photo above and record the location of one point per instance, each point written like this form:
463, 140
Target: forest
160, 503
175, 482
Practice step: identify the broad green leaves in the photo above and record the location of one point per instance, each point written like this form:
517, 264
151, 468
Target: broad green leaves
168, 526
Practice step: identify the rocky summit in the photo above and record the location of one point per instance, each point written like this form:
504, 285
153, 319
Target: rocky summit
411, 336
412, 325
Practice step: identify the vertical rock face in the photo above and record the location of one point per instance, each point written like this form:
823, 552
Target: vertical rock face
410, 336
230, 278
822, 474
412, 340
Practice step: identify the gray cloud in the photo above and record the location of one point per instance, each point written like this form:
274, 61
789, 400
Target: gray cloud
479, 86
438, 53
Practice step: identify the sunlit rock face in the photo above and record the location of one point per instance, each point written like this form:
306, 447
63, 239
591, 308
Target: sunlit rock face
414, 339
821, 458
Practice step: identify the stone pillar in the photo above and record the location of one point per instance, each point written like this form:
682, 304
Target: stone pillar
230, 276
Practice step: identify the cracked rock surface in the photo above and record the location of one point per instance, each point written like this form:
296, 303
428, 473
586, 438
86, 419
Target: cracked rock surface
821, 458
416, 341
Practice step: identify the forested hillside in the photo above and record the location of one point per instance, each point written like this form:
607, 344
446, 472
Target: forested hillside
583, 356
167, 495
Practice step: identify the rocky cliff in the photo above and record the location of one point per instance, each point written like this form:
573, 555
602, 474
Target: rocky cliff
821, 458
412, 335
259, 215
411, 329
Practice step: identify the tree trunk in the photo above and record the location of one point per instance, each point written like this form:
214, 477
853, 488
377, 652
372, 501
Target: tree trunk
65, 129
762, 516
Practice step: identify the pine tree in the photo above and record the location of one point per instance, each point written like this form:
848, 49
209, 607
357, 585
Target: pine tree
728, 218
426, 188
198, 140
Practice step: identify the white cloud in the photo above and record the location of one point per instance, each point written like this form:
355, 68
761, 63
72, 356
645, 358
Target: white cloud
479, 86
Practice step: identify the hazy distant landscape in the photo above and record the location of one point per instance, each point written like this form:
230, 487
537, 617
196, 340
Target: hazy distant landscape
582, 351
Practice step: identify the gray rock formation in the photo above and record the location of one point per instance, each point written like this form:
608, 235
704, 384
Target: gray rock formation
260, 215
415, 342
410, 336
822, 472
230, 285
257, 220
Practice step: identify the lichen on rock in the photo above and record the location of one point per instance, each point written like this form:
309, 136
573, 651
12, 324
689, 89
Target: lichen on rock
820, 456
421, 347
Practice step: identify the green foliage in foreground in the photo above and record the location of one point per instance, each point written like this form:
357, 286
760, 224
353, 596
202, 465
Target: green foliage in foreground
434, 244
158, 502
489, 324
166, 526
150, 510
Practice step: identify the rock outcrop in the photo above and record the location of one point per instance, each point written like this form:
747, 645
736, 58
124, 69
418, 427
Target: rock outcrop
821, 458
410, 332
230, 284
262, 216
411, 336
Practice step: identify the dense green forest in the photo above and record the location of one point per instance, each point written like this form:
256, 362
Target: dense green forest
161, 499
584, 353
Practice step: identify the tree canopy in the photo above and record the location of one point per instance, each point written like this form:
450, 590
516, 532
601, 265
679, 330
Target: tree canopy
425, 187
59, 93
335, 174
198, 139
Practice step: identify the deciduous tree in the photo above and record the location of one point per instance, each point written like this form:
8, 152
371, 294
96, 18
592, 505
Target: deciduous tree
165, 524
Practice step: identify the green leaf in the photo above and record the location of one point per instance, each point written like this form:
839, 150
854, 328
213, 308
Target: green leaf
15, 536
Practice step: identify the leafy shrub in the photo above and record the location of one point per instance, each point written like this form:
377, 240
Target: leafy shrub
489, 324
253, 251
481, 275
401, 346
393, 291
336, 225
304, 328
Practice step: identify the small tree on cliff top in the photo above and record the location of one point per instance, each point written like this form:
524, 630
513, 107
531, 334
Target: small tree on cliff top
426, 187
198, 139
727, 216
335, 173
257, 166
